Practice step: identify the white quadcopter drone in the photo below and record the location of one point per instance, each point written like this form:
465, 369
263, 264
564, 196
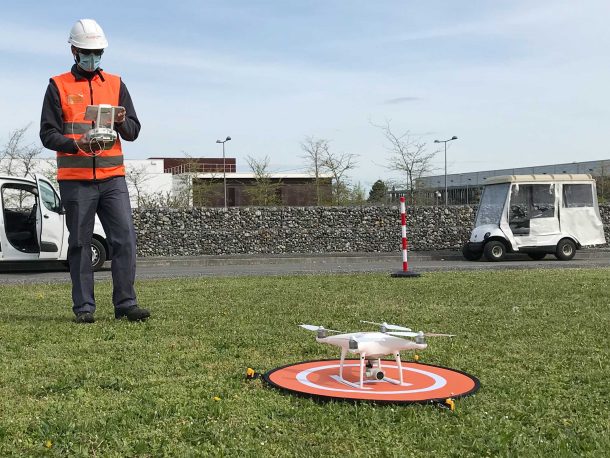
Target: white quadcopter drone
371, 347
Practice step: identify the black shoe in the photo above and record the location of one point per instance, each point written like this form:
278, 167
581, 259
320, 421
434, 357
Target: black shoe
133, 313
84, 317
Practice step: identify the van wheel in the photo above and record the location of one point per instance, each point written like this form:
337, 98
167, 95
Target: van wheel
536, 256
566, 249
471, 255
494, 251
98, 254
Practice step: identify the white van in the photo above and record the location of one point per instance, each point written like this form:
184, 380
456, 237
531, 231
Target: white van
32, 223
537, 215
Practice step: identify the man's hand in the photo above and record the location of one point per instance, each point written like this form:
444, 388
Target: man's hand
83, 145
120, 115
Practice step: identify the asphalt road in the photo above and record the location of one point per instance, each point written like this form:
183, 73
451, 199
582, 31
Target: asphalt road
229, 266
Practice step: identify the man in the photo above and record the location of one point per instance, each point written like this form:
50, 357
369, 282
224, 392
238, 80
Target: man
92, 180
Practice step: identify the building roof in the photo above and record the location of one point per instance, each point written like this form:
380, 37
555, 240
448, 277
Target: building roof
462, 180
539, 178
250, 175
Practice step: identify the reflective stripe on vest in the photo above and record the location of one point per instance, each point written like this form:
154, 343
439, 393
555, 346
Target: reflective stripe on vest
74, 161
75, 95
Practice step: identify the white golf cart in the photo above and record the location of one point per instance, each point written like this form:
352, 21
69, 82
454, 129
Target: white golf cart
536, 215
32, 223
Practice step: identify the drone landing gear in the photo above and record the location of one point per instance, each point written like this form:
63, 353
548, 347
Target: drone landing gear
374, 373
352, 384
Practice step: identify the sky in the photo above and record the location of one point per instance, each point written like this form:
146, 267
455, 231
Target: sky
518, 82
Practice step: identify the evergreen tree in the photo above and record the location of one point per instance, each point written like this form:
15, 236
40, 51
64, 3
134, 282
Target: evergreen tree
378, 192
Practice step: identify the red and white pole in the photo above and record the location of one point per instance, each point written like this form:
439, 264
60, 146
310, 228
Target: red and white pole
405, 244
403, 232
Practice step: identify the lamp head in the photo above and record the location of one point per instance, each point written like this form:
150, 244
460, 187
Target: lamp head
454, 138
437, 141
218, 141
229, 138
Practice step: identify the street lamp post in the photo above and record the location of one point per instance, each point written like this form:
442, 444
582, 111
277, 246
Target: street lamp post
224, 167
445, 142
467, 188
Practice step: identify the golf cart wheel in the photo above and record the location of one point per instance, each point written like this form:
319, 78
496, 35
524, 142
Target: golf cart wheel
566, 249
494, 251
471, 255
98, 254
536, 256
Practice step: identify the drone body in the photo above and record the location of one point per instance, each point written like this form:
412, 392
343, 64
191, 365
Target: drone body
371, 347
372, 344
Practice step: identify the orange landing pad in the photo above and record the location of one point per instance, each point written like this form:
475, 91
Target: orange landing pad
421, 382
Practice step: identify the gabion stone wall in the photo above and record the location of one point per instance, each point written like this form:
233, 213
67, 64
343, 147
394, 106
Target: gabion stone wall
604, 210
277, 230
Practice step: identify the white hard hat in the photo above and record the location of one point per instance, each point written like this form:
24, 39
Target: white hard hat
87, 34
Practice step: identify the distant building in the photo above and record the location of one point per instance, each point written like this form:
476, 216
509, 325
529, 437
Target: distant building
198, 182
205, 178
177, 165
465, 188
290, 189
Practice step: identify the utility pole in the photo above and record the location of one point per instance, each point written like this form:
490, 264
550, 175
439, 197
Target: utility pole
224, 167
445, 142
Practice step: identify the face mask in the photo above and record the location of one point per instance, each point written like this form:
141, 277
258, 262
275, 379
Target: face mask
89, 62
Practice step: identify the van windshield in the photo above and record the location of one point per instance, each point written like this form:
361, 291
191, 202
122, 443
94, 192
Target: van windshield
492, 204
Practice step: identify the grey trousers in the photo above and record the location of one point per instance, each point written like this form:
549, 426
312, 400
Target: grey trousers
110, 200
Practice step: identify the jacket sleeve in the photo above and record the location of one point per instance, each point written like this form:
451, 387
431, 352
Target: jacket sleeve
130, 128
52, 123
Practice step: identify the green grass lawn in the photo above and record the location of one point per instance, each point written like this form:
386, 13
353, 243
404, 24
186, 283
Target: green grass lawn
537, 340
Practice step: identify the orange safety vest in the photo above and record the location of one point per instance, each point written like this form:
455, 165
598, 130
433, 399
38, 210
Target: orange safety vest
75, 95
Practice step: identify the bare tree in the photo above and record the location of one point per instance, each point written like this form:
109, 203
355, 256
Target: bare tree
17, 158
48, 169
408, 156
315, 149
208, 191
265, 190
163, 199
357, 195
137, 177
190, 191
338, 164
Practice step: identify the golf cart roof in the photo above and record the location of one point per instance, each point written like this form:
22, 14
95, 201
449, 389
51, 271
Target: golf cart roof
541, 178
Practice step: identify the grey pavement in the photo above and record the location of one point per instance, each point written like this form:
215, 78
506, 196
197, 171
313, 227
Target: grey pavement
294, 264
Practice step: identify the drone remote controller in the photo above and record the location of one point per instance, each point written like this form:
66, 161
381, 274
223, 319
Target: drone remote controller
103, 135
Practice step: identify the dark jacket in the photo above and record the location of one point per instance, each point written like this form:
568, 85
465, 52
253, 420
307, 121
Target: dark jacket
51, 119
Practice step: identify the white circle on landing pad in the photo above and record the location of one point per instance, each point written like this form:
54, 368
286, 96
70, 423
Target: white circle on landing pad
437, 381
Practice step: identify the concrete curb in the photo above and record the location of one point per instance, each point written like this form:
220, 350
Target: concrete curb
317, 258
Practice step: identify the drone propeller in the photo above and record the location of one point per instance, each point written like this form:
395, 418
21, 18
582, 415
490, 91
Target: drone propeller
390, 327
404, 333
311, 327
423, 334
